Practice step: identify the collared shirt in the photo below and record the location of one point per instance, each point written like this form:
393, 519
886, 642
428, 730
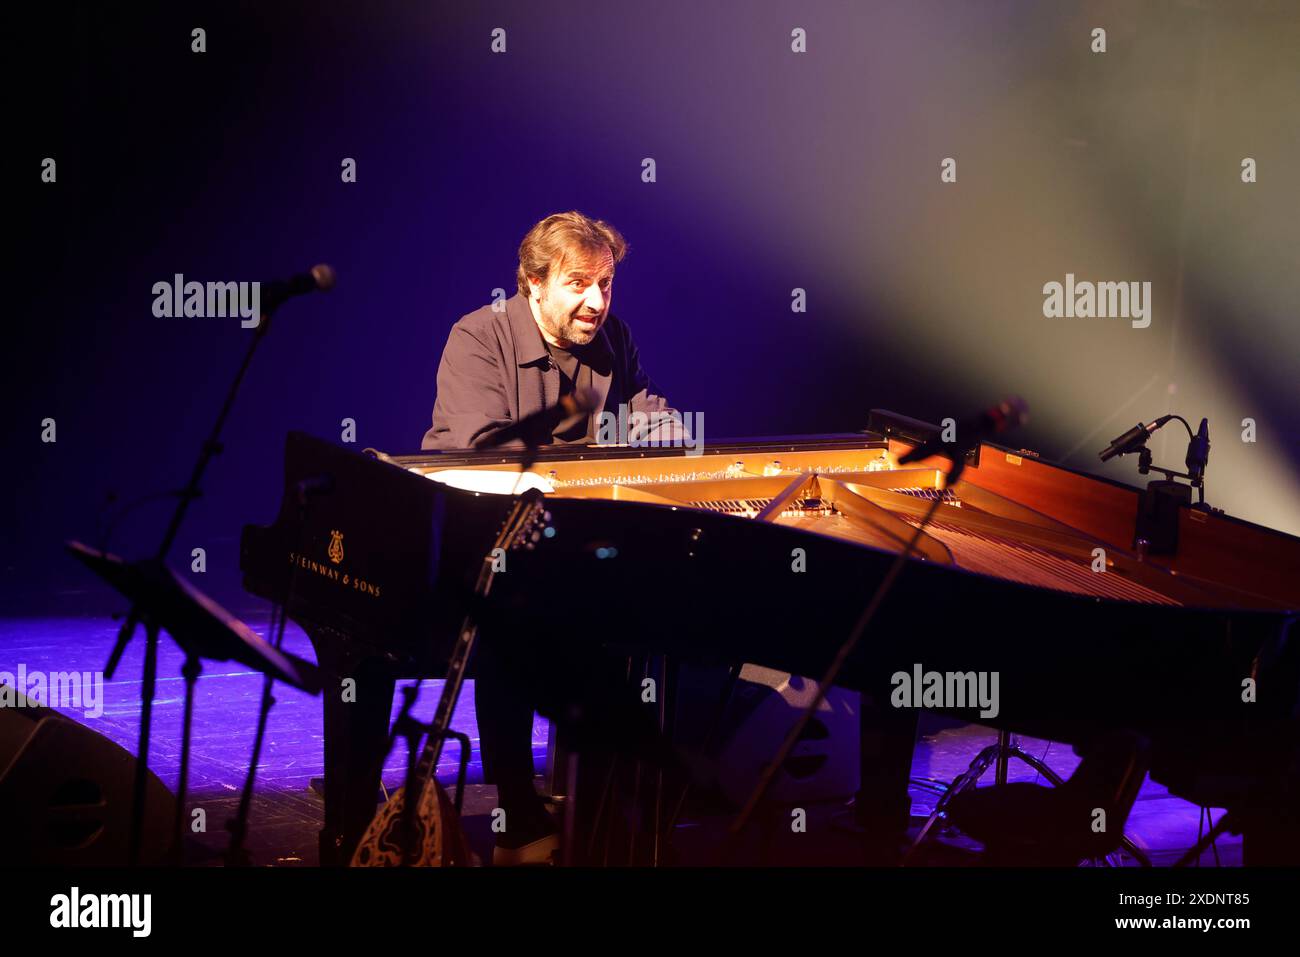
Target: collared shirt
496, 370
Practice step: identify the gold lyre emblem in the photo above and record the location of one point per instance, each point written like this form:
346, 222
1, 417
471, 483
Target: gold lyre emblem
336, 546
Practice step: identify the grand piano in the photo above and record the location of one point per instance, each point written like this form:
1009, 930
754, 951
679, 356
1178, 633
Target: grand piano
766, 551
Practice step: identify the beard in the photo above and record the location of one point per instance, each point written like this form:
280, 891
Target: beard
564, 326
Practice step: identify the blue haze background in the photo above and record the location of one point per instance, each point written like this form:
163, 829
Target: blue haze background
775, 170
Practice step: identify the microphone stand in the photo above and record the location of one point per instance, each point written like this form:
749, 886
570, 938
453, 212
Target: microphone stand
1156, 528
236, 855
141, 614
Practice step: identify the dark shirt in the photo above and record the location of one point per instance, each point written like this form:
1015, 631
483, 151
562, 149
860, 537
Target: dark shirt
496, 370
574, 374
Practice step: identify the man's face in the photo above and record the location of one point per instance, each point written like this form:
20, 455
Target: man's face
573, 303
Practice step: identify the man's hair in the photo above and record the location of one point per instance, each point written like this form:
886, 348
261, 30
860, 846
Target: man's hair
559, 235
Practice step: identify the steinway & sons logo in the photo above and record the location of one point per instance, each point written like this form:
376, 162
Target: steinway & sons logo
334, 551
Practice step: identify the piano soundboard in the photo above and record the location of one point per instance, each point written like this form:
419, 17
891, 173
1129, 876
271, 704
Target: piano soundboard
853, 488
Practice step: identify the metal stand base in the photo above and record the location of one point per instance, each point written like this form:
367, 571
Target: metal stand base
1000, 754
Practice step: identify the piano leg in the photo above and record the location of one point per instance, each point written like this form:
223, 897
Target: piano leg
556, 785
882, 807
356, 738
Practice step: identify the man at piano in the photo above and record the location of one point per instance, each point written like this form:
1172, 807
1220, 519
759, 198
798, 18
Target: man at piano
514, 359
509, 363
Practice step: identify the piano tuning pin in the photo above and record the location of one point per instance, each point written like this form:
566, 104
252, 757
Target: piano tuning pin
546, 516
536, 536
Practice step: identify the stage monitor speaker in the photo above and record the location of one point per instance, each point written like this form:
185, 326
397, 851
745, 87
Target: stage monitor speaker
764, 707
65, 794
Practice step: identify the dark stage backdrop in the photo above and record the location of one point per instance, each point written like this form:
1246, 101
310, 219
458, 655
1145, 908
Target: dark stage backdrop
795, 146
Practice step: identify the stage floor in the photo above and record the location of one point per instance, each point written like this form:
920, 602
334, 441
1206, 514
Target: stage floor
286, 812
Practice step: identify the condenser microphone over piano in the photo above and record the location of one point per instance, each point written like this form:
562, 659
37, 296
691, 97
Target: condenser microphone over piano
1133, 440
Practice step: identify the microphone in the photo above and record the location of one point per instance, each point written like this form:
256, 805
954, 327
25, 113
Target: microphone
1133, 439
1007, 414
576, 403
277, 292
1198, 453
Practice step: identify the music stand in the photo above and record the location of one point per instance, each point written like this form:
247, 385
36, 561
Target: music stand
163, 601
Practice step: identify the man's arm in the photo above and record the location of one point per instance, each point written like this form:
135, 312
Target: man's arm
471, 401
